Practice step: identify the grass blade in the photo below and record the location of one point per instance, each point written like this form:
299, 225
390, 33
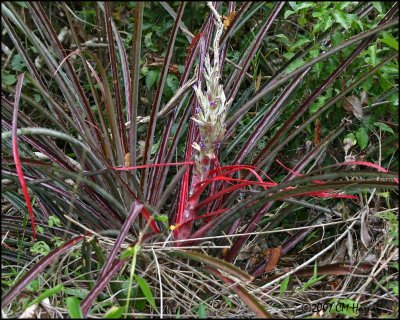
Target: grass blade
214, 263
74, 308
46, 294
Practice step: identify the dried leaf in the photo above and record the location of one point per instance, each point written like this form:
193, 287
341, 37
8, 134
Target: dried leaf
227, 20
365, 237
127, 159
363, 98
244, 255
29, 312
340, 253
350, 246
272, 256
371, 257
141, 145
353, 104
173, 68
317, 132
349, 141
258, 82
249, 253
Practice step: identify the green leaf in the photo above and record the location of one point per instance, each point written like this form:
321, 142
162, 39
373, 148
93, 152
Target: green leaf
40, 229
228, 301
34, 285
341, 18
114, 313
148, 42
367, 84
37, 97
391, 70
359, 23
201, 311
127, 253
303, 5
299, 43
350, 139
377, 5
293, 5
144, 286
384, 127
54, 221
294, 65
326, 23
77, 292
17, 63
284, 285
318, 104
390, 41
372, 55
8, 79
337, 38
74, 308
313, 280
315, 269
235, 58
362, 137
47, 293
344, 5
151, 78
394, 100
40, 248
289, 55
172, 82
161, 217
21, 4
287, 14
394, 286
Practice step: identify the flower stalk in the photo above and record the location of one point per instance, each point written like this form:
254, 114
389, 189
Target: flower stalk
209, 118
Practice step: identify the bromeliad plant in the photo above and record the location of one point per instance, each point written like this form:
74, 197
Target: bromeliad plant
85, 150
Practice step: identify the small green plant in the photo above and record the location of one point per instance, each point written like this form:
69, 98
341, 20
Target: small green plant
54, 221
284, 285
313, 280
46, 294
114, 313
40, 248
201, 311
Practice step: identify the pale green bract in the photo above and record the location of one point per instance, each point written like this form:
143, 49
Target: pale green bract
213, 108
